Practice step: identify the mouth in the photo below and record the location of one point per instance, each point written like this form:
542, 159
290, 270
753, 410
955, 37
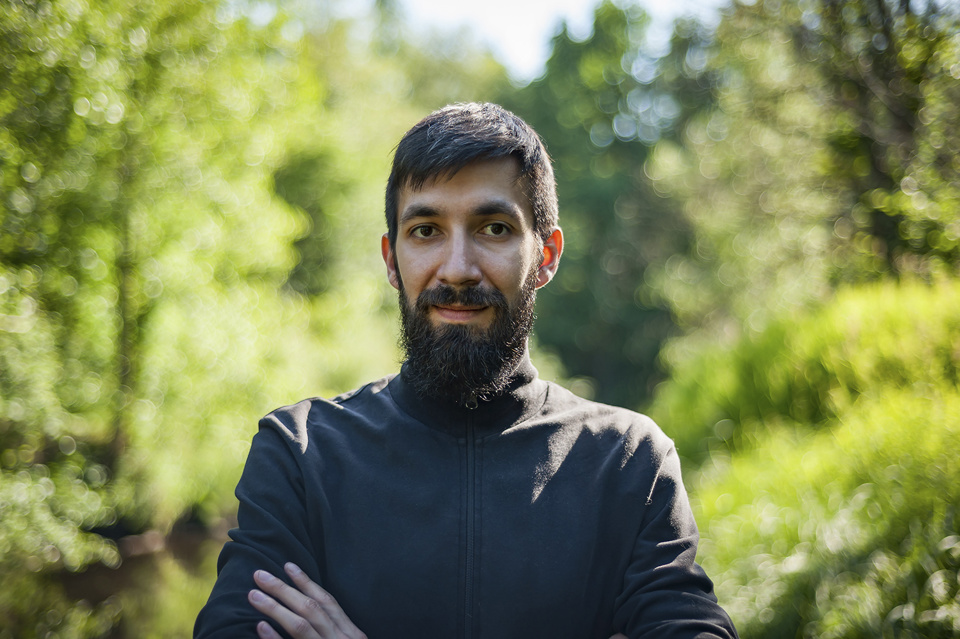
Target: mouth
457, 314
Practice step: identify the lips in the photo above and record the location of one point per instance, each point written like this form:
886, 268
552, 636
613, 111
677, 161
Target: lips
445, 304
459, 314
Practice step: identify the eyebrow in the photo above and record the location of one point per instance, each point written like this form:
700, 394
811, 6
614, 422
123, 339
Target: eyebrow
491, 207
417, 210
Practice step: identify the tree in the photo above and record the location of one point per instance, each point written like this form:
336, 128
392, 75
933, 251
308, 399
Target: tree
823, 161
140, 254
599, 110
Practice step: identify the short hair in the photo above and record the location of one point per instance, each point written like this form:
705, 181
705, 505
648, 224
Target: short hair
448, 139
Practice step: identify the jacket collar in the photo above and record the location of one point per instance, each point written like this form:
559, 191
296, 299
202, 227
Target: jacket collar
522, 398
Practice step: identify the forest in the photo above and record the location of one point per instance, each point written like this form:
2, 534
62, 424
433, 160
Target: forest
762, 226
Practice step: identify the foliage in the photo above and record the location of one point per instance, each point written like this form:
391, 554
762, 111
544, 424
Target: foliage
829, 157
826, 160
598, 114
140, 260
850, 532
809, 370
829, 502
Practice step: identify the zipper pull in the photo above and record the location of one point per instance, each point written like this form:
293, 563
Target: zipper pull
470, 401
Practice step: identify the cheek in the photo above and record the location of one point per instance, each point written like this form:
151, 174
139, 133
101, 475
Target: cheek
533, 258
408, 268
513, 275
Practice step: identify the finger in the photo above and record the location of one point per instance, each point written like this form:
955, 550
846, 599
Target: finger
266, 631
299, 626
325, 599
304, 606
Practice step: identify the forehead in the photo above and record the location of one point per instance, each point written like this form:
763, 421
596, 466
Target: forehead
479, 184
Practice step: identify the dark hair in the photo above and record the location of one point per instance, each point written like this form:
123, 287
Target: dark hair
447, 140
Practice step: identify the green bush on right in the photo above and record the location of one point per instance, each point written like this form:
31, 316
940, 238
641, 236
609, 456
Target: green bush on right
809, 370
829, 491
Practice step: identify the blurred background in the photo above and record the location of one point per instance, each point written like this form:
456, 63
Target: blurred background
761, 203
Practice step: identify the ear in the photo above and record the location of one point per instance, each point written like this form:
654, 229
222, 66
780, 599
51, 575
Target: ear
389, 258
552, 248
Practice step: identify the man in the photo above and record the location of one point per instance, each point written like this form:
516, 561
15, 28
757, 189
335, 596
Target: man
463, 497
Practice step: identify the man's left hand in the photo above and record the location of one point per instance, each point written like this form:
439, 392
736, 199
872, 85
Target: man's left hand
306, 612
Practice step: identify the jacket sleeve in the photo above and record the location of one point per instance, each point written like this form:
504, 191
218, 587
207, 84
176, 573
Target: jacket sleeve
666, 595
272, 530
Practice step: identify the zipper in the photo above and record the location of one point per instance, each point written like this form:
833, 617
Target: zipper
470, 400
471, 518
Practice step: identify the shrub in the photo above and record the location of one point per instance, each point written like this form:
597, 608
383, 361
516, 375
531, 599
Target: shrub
848, 532
829, 502
811, 369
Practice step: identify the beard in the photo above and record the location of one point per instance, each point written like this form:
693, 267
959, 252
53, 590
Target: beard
453, 360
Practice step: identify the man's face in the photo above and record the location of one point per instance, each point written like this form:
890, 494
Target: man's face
466, 262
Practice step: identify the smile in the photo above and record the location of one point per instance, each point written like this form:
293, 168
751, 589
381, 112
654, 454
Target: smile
459, 314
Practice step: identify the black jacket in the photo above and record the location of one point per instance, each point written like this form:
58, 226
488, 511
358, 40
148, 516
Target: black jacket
535, 514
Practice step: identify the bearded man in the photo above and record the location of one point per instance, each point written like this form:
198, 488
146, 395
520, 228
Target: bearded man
464, 497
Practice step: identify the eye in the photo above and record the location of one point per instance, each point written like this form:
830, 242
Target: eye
423, 231
496, 229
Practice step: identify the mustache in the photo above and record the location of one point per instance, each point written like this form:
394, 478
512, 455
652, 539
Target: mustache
444, 294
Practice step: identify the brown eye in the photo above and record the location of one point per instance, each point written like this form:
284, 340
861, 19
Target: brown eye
423, 232
496, 229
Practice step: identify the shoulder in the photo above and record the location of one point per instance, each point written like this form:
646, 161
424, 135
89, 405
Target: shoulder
563, 404
294, 422
634, 433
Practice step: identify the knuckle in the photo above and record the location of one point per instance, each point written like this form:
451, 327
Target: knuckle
301, 627
312, 607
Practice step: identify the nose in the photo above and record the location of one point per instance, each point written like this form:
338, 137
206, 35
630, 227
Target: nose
459, 266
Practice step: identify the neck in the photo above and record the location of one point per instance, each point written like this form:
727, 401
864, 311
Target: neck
460, 368
518, 399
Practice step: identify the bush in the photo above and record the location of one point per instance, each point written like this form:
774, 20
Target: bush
829, 504
850, 532
810, 370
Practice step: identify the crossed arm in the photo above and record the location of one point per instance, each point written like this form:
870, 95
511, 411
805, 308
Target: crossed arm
306, 611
